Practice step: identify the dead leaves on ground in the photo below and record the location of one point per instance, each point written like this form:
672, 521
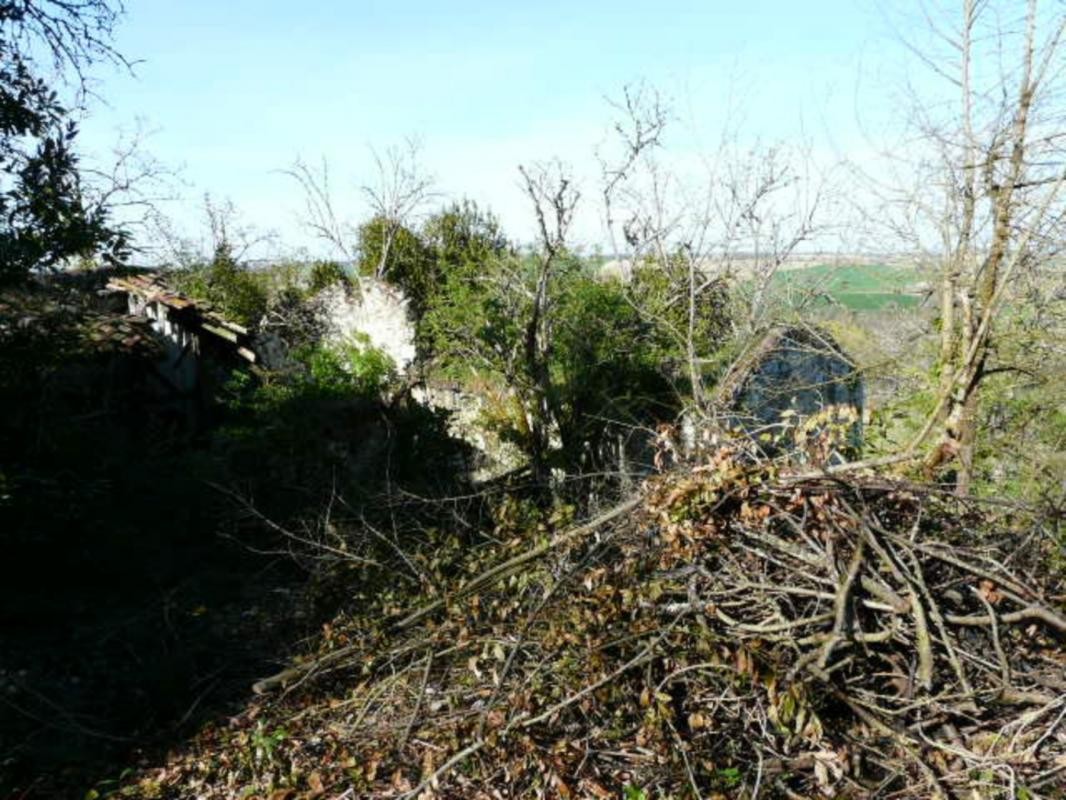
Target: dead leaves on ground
713, 641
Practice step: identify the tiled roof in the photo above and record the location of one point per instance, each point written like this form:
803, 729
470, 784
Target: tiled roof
806, 336
195, 315
42, 311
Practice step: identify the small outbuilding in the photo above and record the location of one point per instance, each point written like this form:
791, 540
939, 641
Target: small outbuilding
795, 389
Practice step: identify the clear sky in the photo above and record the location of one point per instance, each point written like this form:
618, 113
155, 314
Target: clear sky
235, 90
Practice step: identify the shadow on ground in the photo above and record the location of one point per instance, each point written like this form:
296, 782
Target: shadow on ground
132, 606
137, 600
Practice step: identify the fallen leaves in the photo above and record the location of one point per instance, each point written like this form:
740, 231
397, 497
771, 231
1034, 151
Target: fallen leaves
770, 664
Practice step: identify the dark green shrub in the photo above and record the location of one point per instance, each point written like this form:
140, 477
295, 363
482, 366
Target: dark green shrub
409, 263
235, 292
325, 274
354, 367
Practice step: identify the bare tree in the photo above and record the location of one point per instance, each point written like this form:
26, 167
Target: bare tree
774, 204
638, 129
320, 214
741, 215
402, 188
554, 197
75, 33
222, 228
131, 185
989, 207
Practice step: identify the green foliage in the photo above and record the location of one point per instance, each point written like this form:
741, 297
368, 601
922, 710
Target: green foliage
464, 242
1021, 443
460, 238
354, 367
728, 777
615, 354
109, 786
858, 287
661, 295
264, 742
325, 274
45, 218
322, 372
604, 362
294, 428
234, 291
282, 278
607, 363
409, 263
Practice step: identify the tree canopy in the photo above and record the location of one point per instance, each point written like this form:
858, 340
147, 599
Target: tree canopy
45, 217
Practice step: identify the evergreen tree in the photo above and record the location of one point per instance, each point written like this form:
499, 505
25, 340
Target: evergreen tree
45, 217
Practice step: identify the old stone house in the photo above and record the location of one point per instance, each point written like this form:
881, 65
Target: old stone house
794, 389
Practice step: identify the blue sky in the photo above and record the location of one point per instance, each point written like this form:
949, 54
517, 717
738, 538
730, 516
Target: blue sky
235, 90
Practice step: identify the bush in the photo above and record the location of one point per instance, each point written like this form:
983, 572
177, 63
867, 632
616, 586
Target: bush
352, 371
605, 360
354, 367
607, 366
409, 263
292, 438
458, 238
325, 274
233, 291
662, 297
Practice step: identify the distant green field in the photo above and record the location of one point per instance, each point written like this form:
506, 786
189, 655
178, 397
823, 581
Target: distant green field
859, 287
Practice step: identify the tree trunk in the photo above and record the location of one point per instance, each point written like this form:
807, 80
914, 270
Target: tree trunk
965, 342
537, 344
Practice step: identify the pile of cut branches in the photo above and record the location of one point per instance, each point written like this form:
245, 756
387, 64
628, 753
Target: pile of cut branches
734, 632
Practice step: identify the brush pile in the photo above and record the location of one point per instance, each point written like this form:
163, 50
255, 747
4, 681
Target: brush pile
734, 632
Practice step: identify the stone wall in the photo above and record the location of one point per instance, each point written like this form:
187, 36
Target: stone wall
791, 385
179, 363
372, 308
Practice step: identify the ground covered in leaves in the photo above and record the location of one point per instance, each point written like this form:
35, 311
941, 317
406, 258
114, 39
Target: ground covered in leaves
732, 631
